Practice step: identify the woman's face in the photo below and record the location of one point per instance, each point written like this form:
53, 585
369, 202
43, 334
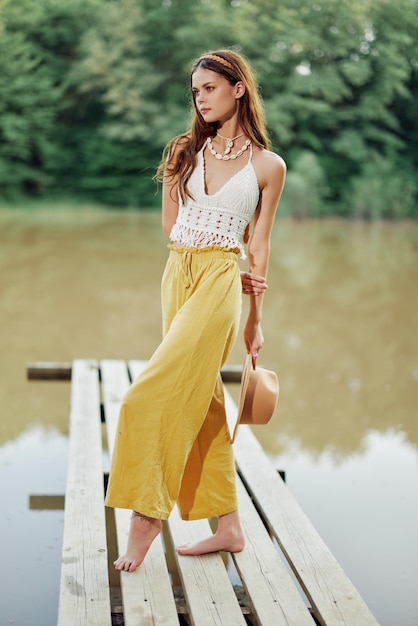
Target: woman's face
215, 98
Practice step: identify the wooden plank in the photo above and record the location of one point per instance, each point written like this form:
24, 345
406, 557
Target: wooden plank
49, 370
333, 597
207, 588
84, 590
135, 367
231, 373
39, 502
147, 592
272, 593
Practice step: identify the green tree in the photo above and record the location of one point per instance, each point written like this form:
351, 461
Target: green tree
134, 63
305, 191
28, 107
38, 43
335, 75
93, 89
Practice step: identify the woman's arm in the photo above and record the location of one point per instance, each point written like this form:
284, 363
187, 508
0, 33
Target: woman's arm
271, 180
170, 205
170, 189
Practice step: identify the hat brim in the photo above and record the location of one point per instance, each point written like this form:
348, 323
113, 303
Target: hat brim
259, 394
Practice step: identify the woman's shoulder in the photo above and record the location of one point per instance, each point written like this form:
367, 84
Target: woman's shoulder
269, 159
268, 166
178, 143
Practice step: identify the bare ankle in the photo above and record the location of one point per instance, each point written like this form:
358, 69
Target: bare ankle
229, 537
142, 517
143, 531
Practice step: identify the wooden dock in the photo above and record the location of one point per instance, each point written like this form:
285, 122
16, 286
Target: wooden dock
286, 576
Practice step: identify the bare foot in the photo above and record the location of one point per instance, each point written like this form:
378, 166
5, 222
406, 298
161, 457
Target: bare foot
229, 537
141, 535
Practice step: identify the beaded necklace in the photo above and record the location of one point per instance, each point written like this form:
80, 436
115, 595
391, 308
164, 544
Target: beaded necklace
227, 156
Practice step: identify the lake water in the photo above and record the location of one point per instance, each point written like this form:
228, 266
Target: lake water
341, 328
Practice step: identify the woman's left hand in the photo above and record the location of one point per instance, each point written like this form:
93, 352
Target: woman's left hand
253, 284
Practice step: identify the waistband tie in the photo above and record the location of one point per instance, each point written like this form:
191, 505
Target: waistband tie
186, 258
186, 266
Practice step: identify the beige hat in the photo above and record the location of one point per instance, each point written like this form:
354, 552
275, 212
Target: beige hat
258, 397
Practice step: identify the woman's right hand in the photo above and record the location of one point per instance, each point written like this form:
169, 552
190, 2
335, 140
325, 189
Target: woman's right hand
252, 284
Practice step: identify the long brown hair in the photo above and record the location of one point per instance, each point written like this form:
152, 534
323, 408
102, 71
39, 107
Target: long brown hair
234, 67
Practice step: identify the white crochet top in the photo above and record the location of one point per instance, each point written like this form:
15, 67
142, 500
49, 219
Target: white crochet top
217, 219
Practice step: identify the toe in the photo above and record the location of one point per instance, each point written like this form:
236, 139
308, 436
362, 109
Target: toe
182, 548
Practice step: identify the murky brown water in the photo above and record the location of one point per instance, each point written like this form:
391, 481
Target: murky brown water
341, 328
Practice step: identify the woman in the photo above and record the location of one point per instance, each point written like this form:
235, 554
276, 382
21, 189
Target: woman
172, 444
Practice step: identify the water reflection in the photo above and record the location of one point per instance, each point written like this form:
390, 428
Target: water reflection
341, 328
31, 540
342, 317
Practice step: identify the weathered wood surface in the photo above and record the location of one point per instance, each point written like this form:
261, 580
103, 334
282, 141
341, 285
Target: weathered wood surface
333, 597
51, 370
47, 502
277, 530
273, 595
48, 370
209, 594
84, 589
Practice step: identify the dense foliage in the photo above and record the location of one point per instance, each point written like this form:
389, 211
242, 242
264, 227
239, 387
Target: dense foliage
91, 90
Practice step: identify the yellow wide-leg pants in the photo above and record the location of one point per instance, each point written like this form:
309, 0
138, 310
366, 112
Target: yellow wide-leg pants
172, 442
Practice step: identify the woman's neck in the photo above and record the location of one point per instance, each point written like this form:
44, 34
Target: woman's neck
228, 136
229, 129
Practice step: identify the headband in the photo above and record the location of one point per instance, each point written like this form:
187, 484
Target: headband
214, 57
